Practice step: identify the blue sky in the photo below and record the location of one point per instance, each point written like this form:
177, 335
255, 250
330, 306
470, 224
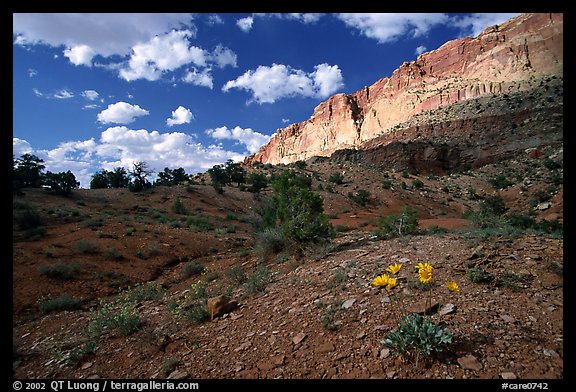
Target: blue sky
93, 91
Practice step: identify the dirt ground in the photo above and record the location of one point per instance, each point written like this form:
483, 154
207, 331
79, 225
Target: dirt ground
319, 317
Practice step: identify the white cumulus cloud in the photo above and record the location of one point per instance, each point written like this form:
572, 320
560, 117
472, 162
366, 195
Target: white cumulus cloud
180, 116
385, 27
268, 84
162, 53
20, 147
121, 113
245, 24
80, 55
121, 146
246, 136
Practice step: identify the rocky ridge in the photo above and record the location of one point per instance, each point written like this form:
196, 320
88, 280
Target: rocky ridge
513, 57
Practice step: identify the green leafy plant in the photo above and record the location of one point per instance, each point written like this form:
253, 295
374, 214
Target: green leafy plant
416, 335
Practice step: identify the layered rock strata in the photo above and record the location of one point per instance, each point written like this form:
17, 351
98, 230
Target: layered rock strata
515, 56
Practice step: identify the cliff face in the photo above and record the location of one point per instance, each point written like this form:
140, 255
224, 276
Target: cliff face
514, 56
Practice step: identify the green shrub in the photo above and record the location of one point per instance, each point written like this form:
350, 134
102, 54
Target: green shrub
199, 222
387, 184
64, 302
336, 178
237, 274
113, 254
60, 271
85, 247
26, 218
328, 316
270, 242
398, 225
416, 183
361, 197
296, 210
179, 208
258, 281
119, 315
500, 182
299, 164
193, 306
92, 223
141, 291
477, 274
192, 269
169, 364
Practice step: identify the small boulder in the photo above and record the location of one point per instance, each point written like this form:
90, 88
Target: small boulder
220, 305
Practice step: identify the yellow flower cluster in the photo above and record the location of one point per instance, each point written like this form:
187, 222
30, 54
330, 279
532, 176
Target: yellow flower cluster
384, 280
424, 275
453, 287
425, 272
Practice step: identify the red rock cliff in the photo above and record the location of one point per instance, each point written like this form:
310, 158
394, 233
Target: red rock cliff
505, 58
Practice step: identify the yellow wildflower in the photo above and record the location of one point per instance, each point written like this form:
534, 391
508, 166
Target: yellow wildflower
380, 280
453, 287
394, 268
425, 272
391, 283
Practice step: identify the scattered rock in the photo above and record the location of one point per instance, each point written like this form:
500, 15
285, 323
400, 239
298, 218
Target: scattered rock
384, 353
550, 353
265, 365
87, 365
424, 307
325, 348
469, 362
278, 359
508, 376
178, 375
447, 309
348, 303
298, 338
544, 206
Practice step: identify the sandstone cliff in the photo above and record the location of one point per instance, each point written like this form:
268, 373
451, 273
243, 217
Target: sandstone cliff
514, 56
